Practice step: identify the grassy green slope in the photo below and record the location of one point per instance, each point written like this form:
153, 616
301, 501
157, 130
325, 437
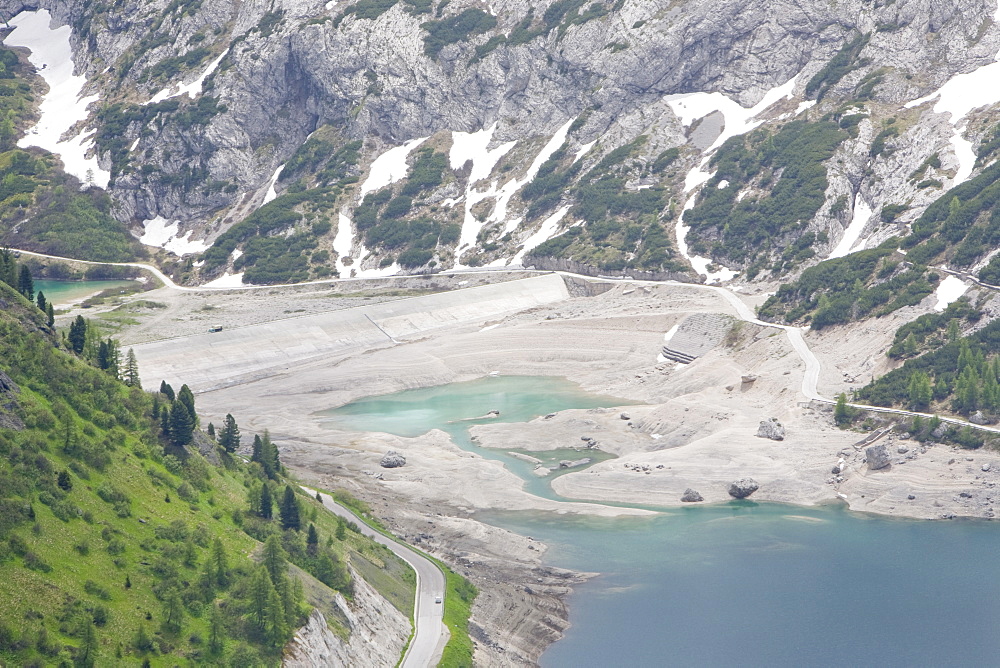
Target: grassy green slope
101, 531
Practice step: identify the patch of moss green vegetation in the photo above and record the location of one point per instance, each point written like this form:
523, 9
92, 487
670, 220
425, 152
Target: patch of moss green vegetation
168, 68
961, 374
868, 283
388, 224
154, 36
845, 61
366, 9
787, 168
129, 536
457, 28
51, 214
118, 122
458, 609
623, 227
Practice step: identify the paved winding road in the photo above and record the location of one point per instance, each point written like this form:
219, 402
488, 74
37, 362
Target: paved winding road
429, 632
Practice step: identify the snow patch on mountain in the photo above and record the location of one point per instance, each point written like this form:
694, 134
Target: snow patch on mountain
193, 89
64, 105
862, 214
739, 120
271, 193
343, 243
470, 225
547, 230
948, 291
389, 167
164, 234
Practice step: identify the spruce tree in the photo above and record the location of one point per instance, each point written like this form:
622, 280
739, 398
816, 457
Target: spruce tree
25, 284
258, 446
8, 267
210, 430
78, 334
166, 390
290, 510
186, 397
841, 414
181, 424
312, 541
229, 436
165, 421
41, 302
132, 370
266, 503
50, 314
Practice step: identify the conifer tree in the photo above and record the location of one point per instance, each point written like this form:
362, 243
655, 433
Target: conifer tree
78, 334
132, 370
216, 632
261, 589
919, 391
181, 424
274, 558
165, 421
312, 541
258, 446
8, 267
87, 652
50, 314
266, 503
41, 303
220, 564
186, 397
229, 436
290, 510
210, 430
166, 390
25, 284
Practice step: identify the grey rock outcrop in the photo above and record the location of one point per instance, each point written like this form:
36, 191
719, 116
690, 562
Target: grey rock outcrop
8, 404
878, 456
392, 460
772, 429
742, 488
691, 496
978, 418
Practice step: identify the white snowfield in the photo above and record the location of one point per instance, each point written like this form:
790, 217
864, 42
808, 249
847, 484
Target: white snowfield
957, 97
164, 234
64, 105
470, 225
271, 193
193, 89
389, 167
948, 291
848, 242
739, 120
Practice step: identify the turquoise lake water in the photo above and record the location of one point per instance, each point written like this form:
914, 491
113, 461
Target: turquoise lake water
64, 292
738, 584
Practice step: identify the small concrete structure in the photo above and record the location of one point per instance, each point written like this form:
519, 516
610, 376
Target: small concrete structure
698, 334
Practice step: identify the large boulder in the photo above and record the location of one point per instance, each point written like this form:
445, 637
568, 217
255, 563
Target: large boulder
878, 456
978, 418
393, 460
772, 429
691, 496
743, 488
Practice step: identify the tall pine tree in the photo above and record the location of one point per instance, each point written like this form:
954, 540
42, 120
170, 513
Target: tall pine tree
229, 436
290, 510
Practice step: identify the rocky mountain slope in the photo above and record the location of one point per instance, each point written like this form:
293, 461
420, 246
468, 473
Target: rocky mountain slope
279, 141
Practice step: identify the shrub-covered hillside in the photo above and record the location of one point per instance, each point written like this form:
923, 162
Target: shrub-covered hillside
129, 536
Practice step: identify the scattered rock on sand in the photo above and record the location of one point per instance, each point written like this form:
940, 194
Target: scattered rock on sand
625, 416
772, 429
878, 456
393, 460
743, 488
985, 467
902, 449
691, 496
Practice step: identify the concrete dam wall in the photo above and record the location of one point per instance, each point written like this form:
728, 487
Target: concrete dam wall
233, 356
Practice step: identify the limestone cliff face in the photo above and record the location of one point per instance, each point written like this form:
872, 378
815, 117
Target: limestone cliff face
376, 634
294, 67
